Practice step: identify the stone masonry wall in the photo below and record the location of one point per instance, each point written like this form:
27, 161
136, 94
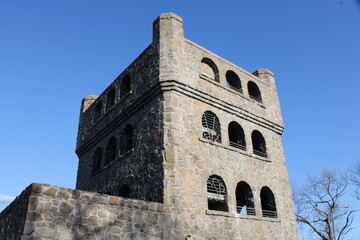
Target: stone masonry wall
141, 167
195, 159
191, 159
67, 214
12, 218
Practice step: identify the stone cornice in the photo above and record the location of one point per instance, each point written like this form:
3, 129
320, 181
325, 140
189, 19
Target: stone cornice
184, 89
220, 104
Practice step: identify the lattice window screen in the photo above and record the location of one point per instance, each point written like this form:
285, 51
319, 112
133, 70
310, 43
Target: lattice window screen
211, 127
216, 189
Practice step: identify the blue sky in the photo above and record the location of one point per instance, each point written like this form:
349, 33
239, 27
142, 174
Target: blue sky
53, 53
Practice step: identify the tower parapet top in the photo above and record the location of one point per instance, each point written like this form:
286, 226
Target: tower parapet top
87, 101
264, 73
168, 25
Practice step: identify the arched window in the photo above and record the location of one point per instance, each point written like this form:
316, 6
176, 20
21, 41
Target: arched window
233, 81
217, 194
209, 69
110, 152
268, 205
128, 143
254, 91
236, 136
124, 191
97, 159
244, 199
211, 127
110, 99
97, 112
258, 143
125, 87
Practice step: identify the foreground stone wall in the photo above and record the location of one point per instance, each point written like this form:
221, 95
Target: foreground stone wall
12, 218
67, 214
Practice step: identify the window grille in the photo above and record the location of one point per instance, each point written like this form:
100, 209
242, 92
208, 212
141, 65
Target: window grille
211, 127
254, 91
236, 136
259, 145
216, 189
216, 194
268, 205
244, 199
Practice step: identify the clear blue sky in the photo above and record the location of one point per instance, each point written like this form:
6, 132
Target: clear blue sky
53, 53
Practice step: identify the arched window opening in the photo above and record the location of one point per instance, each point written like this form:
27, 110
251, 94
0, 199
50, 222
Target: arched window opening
254, 91
97, 160
244, 199
209, 69
124, 191
128, 143
110, 153
125, 87
97, 112
258, 143
217, 194
268, 203
233, 81
236, 136
110, 100
211, 127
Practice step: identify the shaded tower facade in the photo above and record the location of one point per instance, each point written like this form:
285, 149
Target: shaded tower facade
186, 128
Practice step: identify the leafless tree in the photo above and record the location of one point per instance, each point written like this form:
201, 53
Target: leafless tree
354, 177
318, 206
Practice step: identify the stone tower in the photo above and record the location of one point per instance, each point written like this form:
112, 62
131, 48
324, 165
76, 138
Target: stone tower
184, 127
182, 145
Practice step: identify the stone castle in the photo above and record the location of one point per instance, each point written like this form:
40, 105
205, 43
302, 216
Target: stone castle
182, 145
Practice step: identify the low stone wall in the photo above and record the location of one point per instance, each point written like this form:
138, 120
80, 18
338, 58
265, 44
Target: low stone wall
65, 214
44, 211
12, 218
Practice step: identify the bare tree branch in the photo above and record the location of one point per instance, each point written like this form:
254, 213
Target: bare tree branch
354, 176
318, 205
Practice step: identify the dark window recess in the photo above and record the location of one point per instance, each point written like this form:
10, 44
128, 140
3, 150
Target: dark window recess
211, 127
128, 139
97, 160
259, 145
268, 203
244, 199
236, 136
233, 81
97, 112
254, 91
209, 69
125, 87
216, 194
124, 191
110, 100
110, 152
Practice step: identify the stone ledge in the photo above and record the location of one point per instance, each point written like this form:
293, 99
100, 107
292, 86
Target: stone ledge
199, 95
241, 216
234, 149
36, 189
